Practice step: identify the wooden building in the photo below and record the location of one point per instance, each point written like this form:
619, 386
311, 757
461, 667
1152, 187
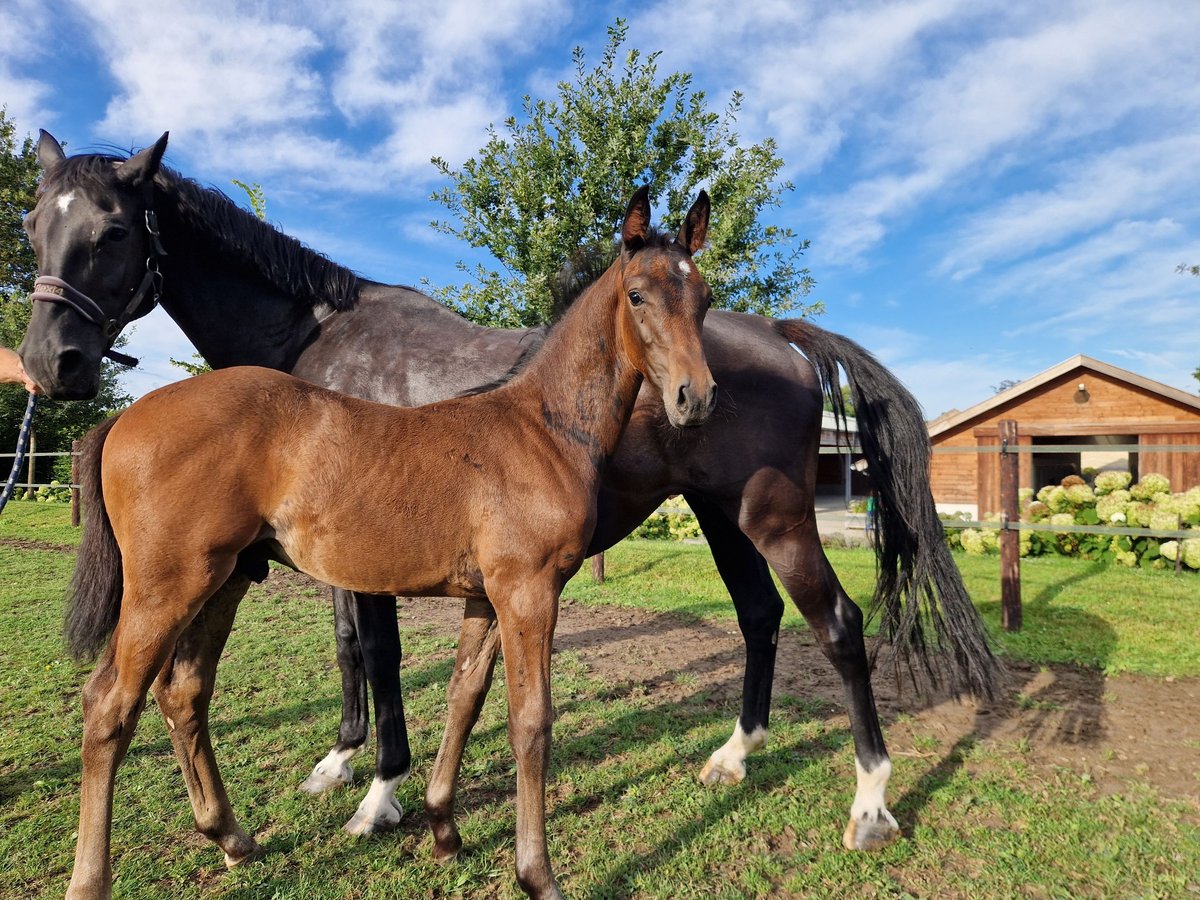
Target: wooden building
1080, 401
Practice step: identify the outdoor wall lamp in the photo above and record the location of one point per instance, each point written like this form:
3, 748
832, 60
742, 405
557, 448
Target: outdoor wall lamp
1081, 394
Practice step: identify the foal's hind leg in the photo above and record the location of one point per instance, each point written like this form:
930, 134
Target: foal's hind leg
113, 699
759, 610
478, 644
183, 691
783, 527
334, 770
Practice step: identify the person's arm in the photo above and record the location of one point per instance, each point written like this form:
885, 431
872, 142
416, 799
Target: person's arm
12, 372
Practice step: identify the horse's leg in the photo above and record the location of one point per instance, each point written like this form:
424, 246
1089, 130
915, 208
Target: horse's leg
113, 699
778, 516
759, 611
527, 618
379, 638
478, 644
183, 691
334, 770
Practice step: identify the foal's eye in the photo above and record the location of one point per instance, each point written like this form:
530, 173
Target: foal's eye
635, 298
114, 234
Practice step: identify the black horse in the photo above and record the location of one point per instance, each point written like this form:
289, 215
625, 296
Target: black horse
114, 236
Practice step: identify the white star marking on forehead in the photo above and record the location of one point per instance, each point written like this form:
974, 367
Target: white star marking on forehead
685, 267
64, 202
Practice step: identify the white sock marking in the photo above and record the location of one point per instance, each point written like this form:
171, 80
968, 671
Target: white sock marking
869, 799
731, 757
379, 807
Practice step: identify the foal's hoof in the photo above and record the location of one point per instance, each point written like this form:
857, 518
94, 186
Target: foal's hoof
251, 852
867, 833
375, 819
447, 849
326, 777
716, 772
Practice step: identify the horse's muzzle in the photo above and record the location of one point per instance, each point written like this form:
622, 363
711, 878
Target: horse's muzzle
691, 406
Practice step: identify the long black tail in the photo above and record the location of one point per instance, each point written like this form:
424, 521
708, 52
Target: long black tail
919, 592
94, 598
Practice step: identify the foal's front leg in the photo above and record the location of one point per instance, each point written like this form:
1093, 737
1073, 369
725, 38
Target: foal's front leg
527, 620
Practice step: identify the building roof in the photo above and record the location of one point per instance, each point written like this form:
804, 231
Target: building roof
953, 419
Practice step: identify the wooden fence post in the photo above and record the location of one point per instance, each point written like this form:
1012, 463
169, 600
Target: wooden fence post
1010, 539
74, 481
598, 568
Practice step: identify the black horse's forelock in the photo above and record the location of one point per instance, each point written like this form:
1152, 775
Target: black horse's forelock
283, 261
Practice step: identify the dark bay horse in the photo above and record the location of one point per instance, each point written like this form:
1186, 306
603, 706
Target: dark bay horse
246, 294
490, 497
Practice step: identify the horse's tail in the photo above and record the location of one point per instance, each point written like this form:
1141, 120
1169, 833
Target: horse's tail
94, 597
919, 591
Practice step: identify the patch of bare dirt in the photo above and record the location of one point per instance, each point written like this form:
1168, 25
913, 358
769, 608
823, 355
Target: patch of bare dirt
1116, 731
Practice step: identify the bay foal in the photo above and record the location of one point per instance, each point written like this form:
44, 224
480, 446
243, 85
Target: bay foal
490, 497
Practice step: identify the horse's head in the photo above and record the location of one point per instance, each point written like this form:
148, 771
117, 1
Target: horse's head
662, 311
95, 236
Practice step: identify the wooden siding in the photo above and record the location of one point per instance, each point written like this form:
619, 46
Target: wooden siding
1113, 406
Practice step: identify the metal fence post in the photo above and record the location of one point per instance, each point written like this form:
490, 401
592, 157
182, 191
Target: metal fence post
74, 481
1010, 538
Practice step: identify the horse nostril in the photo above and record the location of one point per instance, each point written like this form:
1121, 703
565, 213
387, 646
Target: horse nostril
70, 364
681, 401
712, 395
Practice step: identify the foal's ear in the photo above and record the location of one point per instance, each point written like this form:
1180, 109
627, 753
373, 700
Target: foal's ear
695, 226
143, 166
49, 150
637, 219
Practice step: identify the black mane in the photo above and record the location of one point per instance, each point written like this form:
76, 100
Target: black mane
283, 261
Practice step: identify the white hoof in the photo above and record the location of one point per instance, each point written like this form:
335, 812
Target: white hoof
717, 772
379, 810
727, 765
332, 772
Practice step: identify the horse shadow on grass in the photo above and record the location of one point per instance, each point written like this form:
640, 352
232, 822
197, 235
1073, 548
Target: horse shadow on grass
1054, 704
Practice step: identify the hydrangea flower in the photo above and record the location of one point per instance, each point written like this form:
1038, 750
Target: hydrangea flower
1163, 520
1191, 553
1139, 513
1080, 494
1058, 499
1038, 511
1107, 482
1064, 518
1149, 485
972, 541
1112, 504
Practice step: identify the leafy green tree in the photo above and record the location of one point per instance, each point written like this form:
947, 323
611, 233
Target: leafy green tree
56, 424
558, 179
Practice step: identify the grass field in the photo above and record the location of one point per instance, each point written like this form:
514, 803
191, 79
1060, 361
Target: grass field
627, 818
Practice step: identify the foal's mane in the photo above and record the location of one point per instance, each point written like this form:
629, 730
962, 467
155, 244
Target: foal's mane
585, 266
284, 262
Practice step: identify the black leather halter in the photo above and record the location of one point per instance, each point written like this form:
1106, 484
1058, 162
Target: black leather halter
55, 290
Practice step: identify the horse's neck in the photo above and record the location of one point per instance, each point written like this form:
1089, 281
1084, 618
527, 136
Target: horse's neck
585, 386
230, 313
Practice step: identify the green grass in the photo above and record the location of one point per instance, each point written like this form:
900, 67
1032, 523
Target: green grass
627, 818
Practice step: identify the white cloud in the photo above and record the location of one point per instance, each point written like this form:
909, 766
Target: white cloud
210, 69
23, 93
1042, 89
1092, 193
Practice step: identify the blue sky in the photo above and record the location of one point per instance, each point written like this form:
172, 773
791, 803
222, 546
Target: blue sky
989, 187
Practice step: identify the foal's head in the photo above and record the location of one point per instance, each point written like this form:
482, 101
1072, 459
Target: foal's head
665, 299
90, 233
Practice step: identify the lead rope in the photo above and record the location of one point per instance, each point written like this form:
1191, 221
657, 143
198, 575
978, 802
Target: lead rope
22, 450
